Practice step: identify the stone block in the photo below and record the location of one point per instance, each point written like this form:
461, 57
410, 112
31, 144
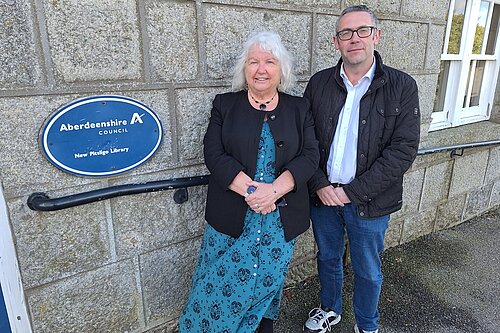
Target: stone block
324, 54
24, 117
164, 156
54, 245
310, 3
431, 10
477, 202
468, 172
418, 224
166, 279
299, 89
495, 194
193, 114
19, 65
450, 213
435, 47
393, 233
149, 221
173, 39
168, 327
495, 114
436, 185
475, 132
102, 300
426, 93
424, 161
94, 40
403, 44
493, 169
226, 29
425, 124
479, 131
412, 190
188, 171
384, 7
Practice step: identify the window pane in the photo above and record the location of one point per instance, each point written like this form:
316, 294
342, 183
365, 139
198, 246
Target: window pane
493, 33
441, 86
457, 23
476, 84
480, 27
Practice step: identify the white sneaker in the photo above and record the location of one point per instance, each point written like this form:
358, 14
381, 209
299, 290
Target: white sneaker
358, 330
321, 321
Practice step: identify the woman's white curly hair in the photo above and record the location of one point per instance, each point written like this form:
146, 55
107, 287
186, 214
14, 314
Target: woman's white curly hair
271, 42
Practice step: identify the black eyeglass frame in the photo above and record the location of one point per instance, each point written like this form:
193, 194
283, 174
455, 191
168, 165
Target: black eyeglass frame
372, 28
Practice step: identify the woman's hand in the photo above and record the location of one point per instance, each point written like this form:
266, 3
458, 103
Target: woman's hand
267, 210
263, 198
239, 183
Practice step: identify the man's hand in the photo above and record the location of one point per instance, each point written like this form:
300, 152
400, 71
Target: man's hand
333, 196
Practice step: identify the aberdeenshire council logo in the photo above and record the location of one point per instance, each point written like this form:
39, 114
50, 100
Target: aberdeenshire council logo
136, 118
101, 135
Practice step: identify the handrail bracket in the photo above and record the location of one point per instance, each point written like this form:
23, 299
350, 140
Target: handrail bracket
454, 153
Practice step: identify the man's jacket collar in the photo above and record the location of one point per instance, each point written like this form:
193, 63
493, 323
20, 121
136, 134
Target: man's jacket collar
378, 77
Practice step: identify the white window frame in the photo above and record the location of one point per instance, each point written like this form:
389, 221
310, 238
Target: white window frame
10, 277
454, 114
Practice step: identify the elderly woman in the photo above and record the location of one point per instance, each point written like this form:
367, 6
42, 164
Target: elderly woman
260, 149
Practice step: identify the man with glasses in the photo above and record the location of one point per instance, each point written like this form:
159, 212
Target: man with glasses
367, 122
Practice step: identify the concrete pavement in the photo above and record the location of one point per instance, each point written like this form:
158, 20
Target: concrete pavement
448, 281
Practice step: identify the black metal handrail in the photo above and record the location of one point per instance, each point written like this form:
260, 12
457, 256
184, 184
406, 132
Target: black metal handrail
453, 149
40, 201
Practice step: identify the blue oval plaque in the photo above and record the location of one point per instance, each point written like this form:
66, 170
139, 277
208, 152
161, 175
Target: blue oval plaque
101, 135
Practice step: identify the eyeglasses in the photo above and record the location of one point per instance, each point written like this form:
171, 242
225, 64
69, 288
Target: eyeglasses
362, 32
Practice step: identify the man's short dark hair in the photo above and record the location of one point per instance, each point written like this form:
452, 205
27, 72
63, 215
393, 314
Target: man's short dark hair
357, 8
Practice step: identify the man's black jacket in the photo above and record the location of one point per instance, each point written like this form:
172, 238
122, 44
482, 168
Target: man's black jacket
389, 131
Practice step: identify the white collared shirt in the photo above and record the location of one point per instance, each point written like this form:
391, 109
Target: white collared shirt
341, 163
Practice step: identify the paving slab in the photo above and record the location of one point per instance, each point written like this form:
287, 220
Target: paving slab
448, 281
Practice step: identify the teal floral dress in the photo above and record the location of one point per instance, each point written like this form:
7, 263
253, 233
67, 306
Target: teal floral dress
238, 281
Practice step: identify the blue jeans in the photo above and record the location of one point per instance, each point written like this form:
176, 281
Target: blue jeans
366, 242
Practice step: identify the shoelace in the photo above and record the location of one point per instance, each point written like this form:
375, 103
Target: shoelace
319, 315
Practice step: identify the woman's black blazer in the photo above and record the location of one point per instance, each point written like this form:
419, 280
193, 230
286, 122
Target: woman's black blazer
231, 145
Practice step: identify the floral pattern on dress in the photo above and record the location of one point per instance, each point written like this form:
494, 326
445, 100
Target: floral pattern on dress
238, 281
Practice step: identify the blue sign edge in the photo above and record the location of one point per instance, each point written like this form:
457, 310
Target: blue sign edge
67, 107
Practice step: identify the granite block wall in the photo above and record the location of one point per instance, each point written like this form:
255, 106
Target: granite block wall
125, 264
